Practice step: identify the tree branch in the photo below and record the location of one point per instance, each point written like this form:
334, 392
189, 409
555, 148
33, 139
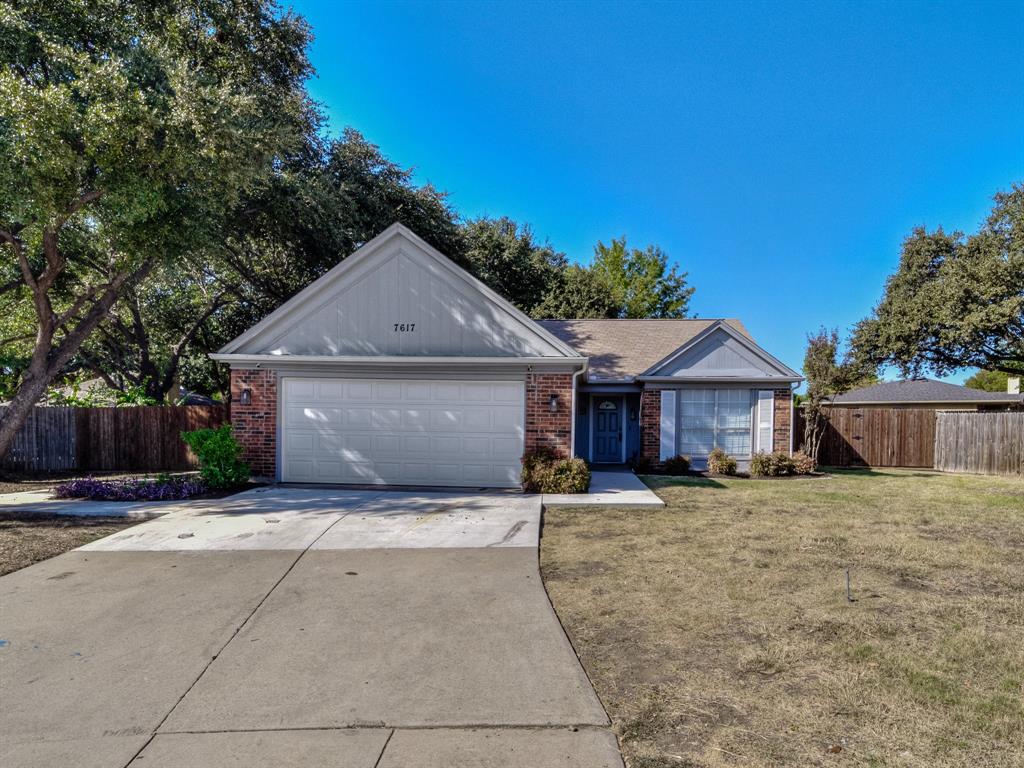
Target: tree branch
19, 251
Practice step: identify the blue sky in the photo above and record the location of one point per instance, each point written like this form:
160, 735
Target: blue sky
778, 152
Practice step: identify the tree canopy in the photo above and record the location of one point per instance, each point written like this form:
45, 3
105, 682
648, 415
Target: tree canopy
955, 302
640, 281
127, 133
505, 256
989, 381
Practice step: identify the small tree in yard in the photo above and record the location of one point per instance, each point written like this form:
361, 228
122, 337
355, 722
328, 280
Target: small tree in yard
827, 375
127, 132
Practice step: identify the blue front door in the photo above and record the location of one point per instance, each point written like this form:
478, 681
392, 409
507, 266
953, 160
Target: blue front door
607, 429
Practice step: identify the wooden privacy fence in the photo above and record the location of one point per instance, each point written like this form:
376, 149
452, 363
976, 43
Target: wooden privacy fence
144, 438
874, 437
984, 443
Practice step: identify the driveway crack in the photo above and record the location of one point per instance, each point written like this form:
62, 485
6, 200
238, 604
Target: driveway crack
245, 621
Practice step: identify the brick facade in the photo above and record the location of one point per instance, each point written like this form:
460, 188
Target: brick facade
255, 425
783, 419
545, 429
650, 425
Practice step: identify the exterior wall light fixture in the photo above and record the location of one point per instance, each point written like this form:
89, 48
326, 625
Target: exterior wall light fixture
553, 403
246, 398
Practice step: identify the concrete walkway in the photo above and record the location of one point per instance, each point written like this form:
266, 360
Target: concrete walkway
299, 627
608, 488
42, 502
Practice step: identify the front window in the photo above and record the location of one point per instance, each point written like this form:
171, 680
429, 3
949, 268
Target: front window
715, 418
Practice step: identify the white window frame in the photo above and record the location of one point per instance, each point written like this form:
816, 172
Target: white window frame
715, 430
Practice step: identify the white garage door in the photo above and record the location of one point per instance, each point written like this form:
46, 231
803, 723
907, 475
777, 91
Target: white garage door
402, 432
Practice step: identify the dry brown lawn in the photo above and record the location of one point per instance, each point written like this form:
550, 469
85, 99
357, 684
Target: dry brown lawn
27, 539
717, 631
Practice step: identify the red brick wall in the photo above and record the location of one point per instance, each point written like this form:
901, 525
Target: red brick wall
543, 428
255, 425
783, 419
650, 424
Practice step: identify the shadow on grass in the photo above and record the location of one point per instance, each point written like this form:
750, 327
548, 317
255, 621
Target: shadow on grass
670, 481
881, 472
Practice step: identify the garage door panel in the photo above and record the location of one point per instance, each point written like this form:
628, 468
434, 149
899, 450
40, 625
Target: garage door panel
445, 419
416, 420
480, 393
303, 390
358, 390
443, 392
416, 392
327, 391
509, 393
402, 432
506, 447
503, 419
357, 417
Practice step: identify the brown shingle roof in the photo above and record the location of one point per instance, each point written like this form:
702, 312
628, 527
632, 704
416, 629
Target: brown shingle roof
621, 349
921, 391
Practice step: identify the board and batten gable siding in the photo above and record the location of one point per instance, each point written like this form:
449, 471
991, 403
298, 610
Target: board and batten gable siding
719, 354
399, 298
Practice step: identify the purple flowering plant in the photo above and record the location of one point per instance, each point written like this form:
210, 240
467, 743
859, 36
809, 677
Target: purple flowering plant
162, 488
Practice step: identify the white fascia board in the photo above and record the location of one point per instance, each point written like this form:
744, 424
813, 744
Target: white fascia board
271, 361
750, 345
777, 380
307, 296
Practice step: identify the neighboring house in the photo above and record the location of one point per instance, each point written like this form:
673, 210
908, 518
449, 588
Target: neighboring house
399, 367
926, 393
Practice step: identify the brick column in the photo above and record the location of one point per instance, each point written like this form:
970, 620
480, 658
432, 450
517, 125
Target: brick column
545, 429
255, 425
783, 419
650, 425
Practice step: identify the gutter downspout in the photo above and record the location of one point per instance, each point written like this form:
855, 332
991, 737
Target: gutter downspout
792, 417
572, 422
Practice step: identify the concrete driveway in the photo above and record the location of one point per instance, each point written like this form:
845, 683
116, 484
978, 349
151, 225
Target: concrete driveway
299, 627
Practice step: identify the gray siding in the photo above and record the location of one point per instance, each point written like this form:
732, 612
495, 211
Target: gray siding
718, 355
448, 317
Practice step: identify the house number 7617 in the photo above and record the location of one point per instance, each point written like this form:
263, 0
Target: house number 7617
405, 327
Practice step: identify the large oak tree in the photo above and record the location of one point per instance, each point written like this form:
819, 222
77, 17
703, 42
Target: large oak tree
955, 302
128, 132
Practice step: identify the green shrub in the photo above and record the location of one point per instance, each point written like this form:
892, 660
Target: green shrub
803, 464
721, 463
219, 454
544, 471
777, 464
677, 465
568, 476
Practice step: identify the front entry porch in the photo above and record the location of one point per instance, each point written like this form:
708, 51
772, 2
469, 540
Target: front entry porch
608, 427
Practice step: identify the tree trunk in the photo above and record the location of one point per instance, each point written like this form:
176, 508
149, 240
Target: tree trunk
48, 359
814, 427
17, 413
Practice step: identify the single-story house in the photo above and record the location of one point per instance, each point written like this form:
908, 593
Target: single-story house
399, 367
926, 393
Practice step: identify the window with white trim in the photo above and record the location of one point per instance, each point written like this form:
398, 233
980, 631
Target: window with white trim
715, 418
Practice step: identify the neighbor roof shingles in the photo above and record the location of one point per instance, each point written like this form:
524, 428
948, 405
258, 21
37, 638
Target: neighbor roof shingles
921, 391
622, 349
